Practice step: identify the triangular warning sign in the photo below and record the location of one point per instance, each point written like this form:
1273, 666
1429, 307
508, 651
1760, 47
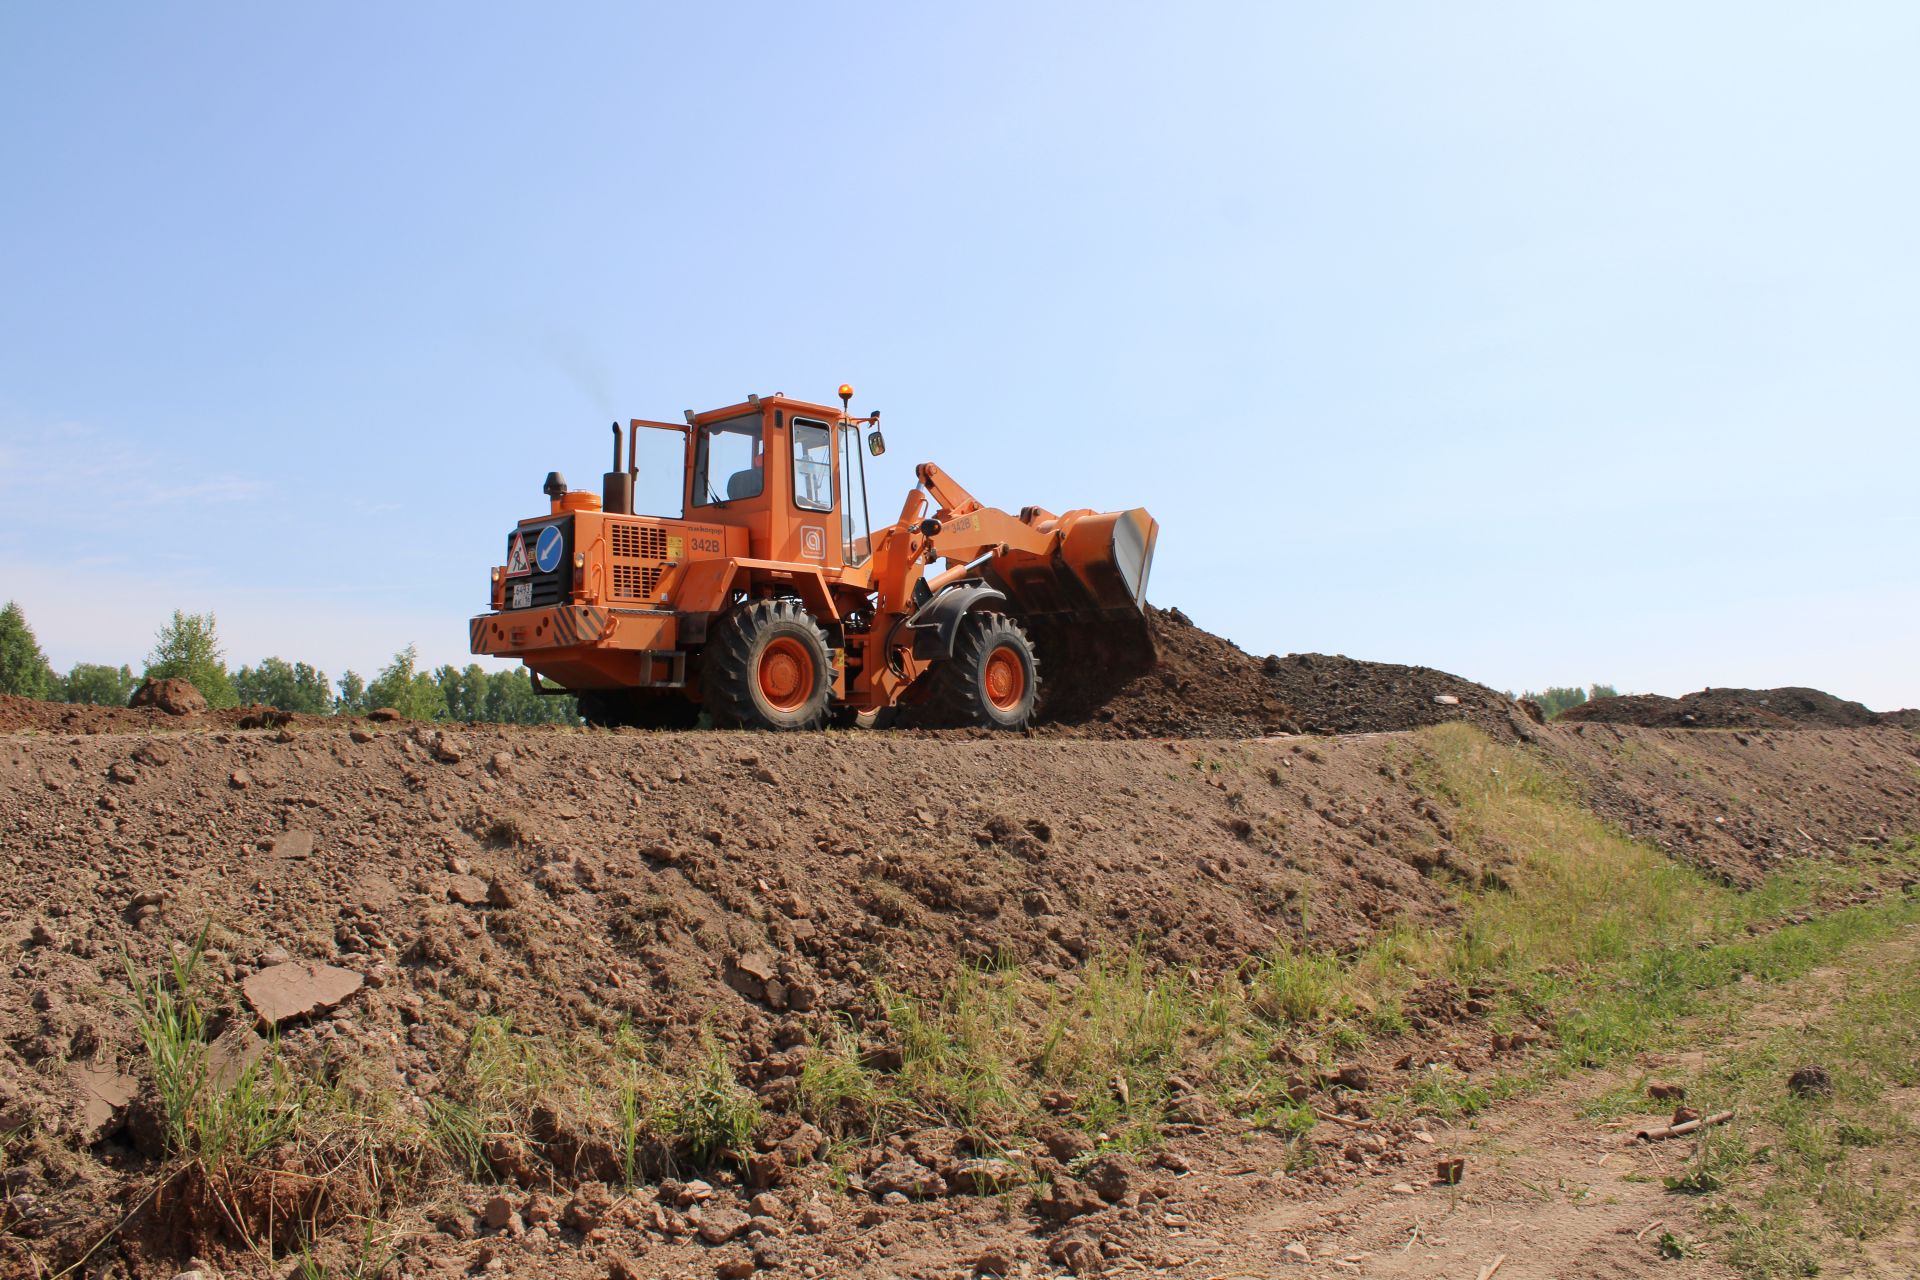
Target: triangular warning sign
517, 557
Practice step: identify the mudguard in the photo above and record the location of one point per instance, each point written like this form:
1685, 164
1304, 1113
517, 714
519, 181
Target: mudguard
936, 623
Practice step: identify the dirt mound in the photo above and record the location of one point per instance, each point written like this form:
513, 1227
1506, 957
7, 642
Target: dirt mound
755, 892
1206, 686
30, 715
175, 697
1789, 708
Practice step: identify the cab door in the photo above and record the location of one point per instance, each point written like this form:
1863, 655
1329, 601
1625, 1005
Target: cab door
856, 522
815, 537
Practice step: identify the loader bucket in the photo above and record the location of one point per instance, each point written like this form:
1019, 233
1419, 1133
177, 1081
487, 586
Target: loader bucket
1085, 601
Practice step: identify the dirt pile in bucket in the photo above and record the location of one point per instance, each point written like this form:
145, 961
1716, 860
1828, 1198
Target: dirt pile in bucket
1206, 686
1788, 708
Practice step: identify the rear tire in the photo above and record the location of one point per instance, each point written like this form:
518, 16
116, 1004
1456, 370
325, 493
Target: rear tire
767, 666
991, 681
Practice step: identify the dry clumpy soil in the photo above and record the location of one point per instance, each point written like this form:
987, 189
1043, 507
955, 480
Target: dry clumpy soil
1789, 708
757, 886
386, 886
1206, 686
31, 715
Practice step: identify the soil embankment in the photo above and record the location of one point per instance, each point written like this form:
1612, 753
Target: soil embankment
753, 889
758, 895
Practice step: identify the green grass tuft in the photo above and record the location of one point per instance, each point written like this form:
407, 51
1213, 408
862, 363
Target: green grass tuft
215, 1122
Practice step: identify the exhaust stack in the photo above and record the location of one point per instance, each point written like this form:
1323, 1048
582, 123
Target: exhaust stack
616, 488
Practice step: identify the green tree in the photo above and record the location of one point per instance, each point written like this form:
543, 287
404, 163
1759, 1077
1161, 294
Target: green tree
464, 690
188, 648
290, 686
511, 700
23, 668
1558, 698
407, 689
98, 685
352, 700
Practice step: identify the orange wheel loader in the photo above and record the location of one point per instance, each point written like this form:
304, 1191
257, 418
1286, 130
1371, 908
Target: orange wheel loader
773, 602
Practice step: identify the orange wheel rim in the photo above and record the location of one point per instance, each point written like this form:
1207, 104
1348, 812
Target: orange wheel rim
786, 673
1006, 679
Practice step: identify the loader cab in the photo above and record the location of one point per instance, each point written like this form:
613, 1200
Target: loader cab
792, 474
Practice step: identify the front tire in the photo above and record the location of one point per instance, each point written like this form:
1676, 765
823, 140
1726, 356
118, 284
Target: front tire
767, 667
992, 680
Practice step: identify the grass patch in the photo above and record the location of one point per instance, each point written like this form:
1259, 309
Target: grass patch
1444, 1092
983, 1055
213, 1117
1806, 1178
514, 1095
1568, 922
1608, 940
707, 1112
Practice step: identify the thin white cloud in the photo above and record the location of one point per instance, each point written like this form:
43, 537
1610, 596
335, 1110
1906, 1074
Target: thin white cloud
212, 489
43, 465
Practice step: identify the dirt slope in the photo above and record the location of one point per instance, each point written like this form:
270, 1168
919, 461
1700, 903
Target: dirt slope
1734, 803
756, 886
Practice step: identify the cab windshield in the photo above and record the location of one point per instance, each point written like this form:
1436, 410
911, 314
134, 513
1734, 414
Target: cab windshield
728, 461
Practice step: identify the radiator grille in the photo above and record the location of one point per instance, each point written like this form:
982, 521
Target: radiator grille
634, 555
635, 581
638, 542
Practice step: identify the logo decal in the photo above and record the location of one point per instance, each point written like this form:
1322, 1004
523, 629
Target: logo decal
546, 552
517, 557
813, 542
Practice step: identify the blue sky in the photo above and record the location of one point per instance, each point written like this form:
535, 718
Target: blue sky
1541, 343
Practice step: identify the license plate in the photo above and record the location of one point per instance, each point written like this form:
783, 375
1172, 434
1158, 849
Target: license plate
522, 595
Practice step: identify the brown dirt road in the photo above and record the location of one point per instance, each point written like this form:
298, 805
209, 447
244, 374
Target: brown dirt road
1555, 1194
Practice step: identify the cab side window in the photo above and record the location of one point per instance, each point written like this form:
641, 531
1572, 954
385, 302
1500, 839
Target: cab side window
812, 465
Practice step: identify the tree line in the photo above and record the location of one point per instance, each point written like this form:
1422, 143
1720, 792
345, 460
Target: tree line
1557, 698
188, 648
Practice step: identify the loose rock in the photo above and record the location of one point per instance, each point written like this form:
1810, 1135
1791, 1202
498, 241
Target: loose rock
298, 990
1068, 1198
101, 1093
1810, 1082
173, 696
721, 1225
907, 1177
468, 891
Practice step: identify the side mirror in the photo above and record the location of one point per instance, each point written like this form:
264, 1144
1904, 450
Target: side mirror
876, 444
